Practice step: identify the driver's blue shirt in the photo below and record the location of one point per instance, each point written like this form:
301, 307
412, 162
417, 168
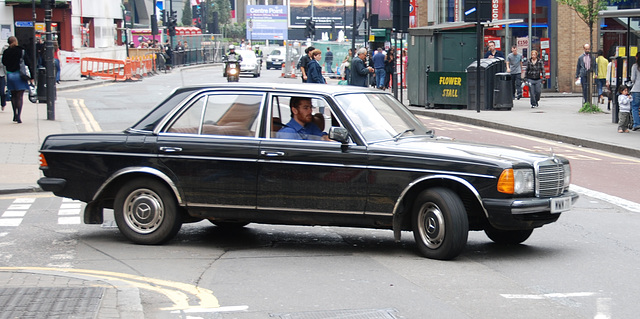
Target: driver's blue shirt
293, 130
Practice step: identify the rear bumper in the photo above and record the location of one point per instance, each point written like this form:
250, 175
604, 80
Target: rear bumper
523, 213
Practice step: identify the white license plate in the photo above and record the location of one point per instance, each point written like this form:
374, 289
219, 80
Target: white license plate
560, 204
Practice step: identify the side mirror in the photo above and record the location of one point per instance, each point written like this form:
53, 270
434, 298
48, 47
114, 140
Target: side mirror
339, 134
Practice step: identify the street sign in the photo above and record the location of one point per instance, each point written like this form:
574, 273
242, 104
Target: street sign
24, 24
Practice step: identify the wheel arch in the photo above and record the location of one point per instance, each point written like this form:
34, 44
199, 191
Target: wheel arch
476, 212
109, 187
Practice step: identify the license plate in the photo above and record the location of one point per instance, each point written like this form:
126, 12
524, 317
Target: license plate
560, 204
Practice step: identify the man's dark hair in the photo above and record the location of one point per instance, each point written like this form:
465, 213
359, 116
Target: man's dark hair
514, 46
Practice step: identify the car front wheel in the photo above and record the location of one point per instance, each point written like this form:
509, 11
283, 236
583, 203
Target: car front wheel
440, 224
146, 212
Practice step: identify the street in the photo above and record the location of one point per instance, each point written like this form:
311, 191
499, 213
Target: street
583, 266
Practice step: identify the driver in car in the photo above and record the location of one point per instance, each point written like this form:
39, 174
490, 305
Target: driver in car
301, 126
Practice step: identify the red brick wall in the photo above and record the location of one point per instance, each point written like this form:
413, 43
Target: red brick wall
573, 33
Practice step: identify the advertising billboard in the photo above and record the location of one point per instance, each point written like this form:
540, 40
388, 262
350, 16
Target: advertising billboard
325, 11
267, 22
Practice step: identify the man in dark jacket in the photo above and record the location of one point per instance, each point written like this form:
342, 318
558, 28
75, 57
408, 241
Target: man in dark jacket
359, 71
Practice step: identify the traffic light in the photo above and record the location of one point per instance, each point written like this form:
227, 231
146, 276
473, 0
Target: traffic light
173, 22
333, 29
313, 29
307, 29
163, 17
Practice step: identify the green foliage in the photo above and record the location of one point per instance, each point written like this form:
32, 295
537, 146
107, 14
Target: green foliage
187, 17
590, 108
236, 31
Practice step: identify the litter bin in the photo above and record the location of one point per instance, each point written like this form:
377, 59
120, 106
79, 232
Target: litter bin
502, 97
488, 69
42, 85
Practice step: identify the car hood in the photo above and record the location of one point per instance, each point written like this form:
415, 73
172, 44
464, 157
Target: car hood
439, 147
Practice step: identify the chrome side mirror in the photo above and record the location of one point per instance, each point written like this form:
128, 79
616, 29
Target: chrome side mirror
339, 134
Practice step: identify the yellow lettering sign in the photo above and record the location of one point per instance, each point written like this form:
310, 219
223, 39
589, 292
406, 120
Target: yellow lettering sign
450, 80
449, 93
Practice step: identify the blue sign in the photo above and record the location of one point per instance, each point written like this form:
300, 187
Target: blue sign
24, 24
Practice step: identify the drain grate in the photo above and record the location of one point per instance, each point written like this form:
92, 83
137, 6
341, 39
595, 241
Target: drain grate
341, 314
50, 302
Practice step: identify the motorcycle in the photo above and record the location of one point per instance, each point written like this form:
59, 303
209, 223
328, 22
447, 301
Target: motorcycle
232, 70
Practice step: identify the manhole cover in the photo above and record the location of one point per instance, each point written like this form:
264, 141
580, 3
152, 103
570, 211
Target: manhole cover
340, 314
81, 302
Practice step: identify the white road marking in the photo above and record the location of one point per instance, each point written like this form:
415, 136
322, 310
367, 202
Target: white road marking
626, 204
14, 213
548, 296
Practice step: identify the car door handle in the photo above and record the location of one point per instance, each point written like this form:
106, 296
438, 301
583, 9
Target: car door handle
170, 149
271, 154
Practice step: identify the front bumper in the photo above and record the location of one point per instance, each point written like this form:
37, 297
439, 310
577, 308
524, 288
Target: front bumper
523, 213
51, 184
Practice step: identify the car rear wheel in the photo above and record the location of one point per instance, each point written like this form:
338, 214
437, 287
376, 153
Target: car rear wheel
507, 237
146, 212
440, 224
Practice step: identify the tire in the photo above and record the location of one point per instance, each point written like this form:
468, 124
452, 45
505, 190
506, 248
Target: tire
146, 212
440, 223
507, 237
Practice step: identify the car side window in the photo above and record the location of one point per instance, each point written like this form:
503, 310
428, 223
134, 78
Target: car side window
220, 114
323, 117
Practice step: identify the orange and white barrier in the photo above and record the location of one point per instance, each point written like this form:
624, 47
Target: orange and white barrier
131, 69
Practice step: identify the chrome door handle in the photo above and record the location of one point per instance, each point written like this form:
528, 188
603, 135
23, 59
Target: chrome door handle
271, 154
169, 149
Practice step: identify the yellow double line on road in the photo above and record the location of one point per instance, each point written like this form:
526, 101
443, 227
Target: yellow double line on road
177, 292
89, 122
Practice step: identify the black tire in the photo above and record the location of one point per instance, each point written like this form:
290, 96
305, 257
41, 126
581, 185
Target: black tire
440, 224
507, 237
146, 212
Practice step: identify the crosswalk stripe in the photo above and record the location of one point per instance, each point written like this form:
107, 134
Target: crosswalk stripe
14, 213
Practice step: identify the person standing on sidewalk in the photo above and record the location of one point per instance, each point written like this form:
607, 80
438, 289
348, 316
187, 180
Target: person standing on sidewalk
635, 93
3, 80
328, 60
601, 74
624, 101
492, 52
585, 63
11, 60
359, 71
514, 67
535, 77
314, 70
378, 65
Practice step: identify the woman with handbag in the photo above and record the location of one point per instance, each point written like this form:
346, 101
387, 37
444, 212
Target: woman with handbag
18, 77
536, 77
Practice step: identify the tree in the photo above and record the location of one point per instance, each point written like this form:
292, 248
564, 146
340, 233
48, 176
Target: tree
588, 11
187, 17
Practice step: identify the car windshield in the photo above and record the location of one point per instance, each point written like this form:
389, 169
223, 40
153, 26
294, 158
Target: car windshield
248, 56
380, 117
275, 52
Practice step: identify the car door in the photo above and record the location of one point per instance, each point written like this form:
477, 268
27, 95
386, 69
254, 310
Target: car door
309, 175
212, 149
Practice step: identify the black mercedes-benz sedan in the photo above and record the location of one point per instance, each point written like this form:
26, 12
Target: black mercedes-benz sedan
303, 154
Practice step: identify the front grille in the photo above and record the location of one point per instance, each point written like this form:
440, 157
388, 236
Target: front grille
550, 179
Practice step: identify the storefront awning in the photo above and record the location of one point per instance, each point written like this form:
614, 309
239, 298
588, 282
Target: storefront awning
57, 3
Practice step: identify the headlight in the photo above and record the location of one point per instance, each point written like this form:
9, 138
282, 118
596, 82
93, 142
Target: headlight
233, 71
516, 181
567, 175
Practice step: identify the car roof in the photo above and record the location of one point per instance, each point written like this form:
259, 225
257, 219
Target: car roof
292, 87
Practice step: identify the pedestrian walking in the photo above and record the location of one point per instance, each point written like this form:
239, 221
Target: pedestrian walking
359, 71
601, 75
585, 64
514, 67
304, 60
635, 93
328, 60
535, 77
314, 73
11, 59
378, 65
624, 115
345, 67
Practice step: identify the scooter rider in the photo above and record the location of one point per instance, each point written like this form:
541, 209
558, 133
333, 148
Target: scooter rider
233, 55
